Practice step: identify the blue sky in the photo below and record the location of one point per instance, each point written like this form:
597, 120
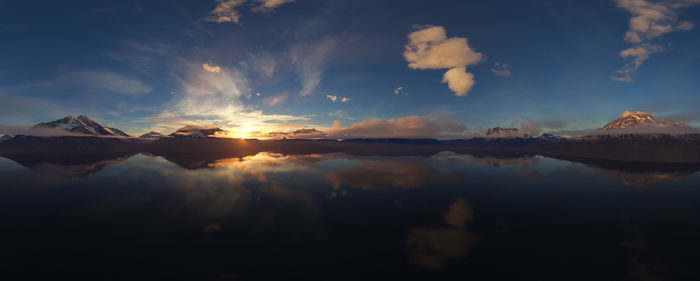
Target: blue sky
140, 65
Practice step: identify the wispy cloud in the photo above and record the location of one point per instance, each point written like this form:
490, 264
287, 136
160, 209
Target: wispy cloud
310, 61
429, 48
501, 69
215, 98
263, 63
275, 100
649, 21
228, 10
269, 5
225, 11
106, 81
340, 114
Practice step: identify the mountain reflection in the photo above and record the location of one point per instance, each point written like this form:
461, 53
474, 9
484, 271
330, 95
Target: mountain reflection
443, 216
356, 171
75, 166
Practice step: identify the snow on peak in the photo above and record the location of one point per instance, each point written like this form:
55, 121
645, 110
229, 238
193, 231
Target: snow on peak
82, 124
197, 131
644, 123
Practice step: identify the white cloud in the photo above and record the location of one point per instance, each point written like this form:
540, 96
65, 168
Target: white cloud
310, 61
501, 70
107, 81
458, 80
211, 68
429, 48
650, 20
398, 90
225, 11
334, 98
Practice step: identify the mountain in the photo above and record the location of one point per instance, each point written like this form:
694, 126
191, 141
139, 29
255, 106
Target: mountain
644, 123
502, 132
152, 135
82, 125
196, 131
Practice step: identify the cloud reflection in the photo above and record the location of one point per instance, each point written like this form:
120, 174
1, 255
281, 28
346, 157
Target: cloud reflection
432, 247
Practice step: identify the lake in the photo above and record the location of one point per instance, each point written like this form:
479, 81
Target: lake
333, 216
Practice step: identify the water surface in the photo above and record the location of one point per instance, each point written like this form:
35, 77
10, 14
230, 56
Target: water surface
339, 216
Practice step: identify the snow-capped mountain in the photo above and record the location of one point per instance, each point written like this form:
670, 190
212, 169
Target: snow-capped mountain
152, 135
6, 137
82, 124
197, 131
644, 123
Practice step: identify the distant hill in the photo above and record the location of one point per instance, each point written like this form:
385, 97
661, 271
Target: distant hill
152, 135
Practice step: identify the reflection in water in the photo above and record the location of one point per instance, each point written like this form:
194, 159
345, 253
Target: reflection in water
379, 173
433, 246
267, 215
364, 172
526, 164
81, 166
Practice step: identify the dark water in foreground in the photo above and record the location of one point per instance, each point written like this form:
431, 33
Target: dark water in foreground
337, 216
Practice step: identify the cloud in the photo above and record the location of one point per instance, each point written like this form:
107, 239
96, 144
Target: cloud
208, 98
225, 11
403, 127
263, 63
298, 134
429, 48
211, 68
334, 98
501, 70
650, 20
107, 81
276, 100
529, 127
269, 5
398, 90
310, 61
458, 80
340, 114
36, 131
635, 56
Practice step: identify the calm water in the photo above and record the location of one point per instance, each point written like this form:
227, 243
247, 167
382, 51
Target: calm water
338, 216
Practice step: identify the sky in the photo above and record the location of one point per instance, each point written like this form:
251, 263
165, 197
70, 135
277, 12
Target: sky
443, 69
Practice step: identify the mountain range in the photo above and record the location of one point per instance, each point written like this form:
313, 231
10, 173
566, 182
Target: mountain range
629, 123
632, 137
